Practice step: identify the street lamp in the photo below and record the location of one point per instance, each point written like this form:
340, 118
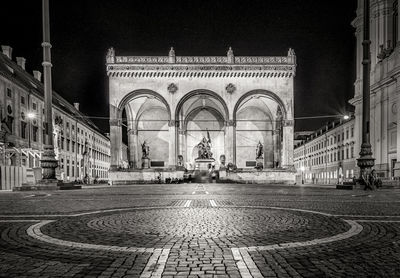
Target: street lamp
346, 117
302, 169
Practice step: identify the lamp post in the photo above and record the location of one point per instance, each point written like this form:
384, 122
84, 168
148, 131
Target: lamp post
366, 161
302, 168
48, 161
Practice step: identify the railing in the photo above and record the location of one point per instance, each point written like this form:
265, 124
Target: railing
11, 176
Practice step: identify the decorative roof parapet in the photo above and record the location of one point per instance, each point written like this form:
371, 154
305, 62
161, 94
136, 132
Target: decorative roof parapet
128, 66
259, 60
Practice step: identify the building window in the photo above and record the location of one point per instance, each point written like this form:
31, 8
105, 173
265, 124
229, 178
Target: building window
22, 100
352, 132
23, 129
352, 152
347, 134
34, 105
9, 93
67, 145
347, 153
34, 133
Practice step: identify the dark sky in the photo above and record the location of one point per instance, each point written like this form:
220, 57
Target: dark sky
82, 31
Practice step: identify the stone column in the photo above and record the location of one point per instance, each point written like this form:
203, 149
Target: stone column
115, 143
397, 165
182, 145
133, 147
275, 145
230, 142
173, 156
287, 144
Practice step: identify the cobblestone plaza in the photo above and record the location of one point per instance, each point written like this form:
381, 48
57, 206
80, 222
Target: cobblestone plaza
200, 230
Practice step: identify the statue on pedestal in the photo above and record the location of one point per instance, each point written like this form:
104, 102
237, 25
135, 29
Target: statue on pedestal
259, 150
204, 148
259, 156
145, 150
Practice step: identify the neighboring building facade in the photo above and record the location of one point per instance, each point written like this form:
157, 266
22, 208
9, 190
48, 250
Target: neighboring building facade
172, 102
328, 155
385, 85
81, 149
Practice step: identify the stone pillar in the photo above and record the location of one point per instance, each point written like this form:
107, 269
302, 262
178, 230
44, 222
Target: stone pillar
115, 143
133, 147
287, 144
182, 150
275, 145
230, 142
173, 156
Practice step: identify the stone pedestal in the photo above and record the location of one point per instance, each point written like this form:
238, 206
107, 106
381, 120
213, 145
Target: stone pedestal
260, 163
146, 162
203, 164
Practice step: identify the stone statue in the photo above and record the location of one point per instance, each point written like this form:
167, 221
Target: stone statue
145, 150
204, 149
180, 160
171, 52
110, 55
259, 150
222, 159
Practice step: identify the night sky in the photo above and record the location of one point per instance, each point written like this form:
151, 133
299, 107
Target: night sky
81, 32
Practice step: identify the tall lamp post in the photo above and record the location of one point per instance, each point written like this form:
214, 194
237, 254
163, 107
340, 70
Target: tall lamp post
366, 161
48, 160
302, 168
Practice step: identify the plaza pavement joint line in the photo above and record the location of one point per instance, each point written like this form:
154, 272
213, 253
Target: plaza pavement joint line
355, 229
156, 264
35, 232
245, 264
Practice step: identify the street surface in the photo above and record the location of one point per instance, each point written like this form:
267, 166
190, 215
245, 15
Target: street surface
200, 230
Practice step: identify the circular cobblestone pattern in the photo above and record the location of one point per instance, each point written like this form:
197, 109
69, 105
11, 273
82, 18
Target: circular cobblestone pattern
201, 222
229, 226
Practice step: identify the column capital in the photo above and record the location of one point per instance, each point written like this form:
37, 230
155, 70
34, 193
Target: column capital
182, 132
173, 123
230, 123
115, 122
288, 123
133, 132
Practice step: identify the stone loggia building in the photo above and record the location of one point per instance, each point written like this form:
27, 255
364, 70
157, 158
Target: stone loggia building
172, 102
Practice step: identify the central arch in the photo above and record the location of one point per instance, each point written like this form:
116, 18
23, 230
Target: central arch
200, 113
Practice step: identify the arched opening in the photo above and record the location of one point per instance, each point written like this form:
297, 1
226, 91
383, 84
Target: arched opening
201, 114
144, 120
259, 120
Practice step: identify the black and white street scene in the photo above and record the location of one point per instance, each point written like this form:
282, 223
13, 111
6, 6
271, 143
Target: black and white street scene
200, 139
